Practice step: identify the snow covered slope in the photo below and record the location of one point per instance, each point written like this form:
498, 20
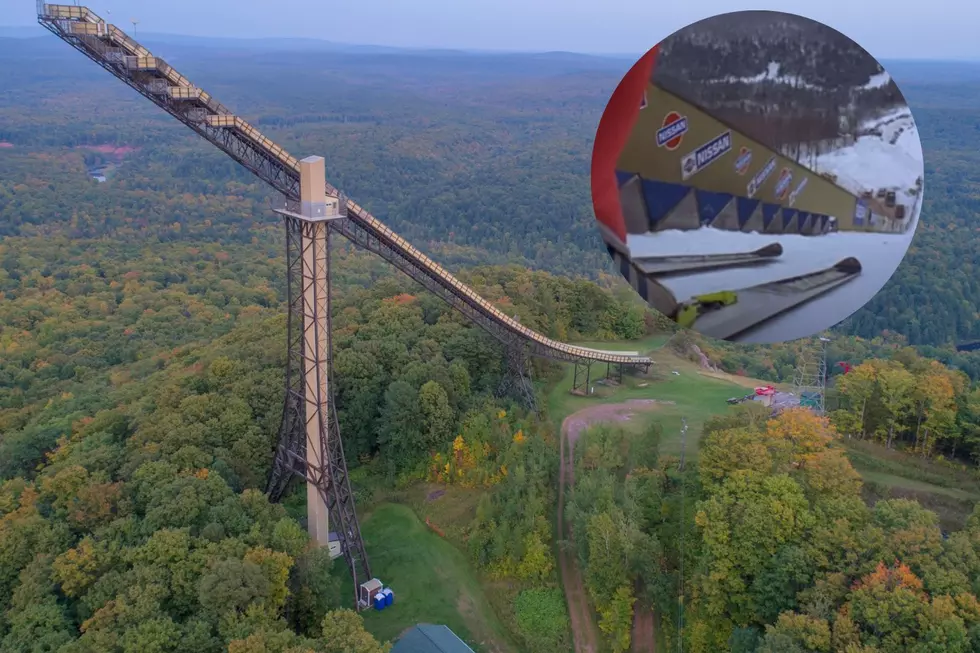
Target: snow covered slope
888, 155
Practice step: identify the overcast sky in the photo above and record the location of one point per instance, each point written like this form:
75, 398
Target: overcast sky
901, 29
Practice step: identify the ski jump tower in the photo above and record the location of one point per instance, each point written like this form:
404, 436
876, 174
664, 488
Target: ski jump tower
308, 382
312, 211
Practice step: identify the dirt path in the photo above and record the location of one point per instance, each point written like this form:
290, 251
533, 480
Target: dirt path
584, 630
643, 639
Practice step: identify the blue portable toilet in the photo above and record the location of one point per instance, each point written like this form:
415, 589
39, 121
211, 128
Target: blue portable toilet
379, 601
389, 596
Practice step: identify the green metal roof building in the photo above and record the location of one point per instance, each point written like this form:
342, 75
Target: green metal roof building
426, 638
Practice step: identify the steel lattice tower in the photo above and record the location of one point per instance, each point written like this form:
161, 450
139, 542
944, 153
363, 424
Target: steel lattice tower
309, 444
810, 378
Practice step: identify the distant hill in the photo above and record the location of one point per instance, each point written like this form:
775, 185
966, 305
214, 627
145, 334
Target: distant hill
271, 43
21, 31
932, 72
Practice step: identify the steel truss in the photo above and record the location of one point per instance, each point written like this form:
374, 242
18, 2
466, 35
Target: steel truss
268, 168
327, 468
516, 382
614, 372
582, 376
810, 375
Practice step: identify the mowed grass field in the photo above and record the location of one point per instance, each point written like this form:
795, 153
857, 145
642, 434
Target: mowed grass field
951, 491
432, 580
697, 394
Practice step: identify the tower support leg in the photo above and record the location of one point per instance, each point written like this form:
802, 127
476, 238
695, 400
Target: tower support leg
516, 381
582, 376
310, 445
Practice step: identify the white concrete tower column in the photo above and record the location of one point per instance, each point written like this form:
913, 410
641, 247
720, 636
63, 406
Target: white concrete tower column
316, 352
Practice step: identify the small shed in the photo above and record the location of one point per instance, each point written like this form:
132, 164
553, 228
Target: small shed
427, 638
334, 545
368, 590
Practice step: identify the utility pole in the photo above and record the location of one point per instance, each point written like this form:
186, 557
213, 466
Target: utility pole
681, 548
683, 440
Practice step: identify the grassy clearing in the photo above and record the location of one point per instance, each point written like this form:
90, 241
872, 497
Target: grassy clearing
696, 394
432, 580
876, 458
948, 491
901, 482
452, 509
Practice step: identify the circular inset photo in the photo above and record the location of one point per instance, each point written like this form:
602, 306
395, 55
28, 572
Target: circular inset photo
757, 176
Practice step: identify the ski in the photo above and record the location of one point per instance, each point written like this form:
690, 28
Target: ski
667, 265
729, 314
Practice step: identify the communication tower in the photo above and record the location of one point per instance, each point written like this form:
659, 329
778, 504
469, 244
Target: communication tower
810, 379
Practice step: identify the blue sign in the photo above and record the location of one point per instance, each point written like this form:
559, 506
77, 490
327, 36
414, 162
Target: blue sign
796, 191
860, 211
760, 177
705, 155
674, 127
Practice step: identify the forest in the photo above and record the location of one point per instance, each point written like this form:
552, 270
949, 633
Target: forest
140, 408
460, 168
141, 358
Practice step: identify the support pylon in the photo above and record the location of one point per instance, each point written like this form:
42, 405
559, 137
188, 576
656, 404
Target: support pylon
310, 445
582, 376
516, 382
614, 372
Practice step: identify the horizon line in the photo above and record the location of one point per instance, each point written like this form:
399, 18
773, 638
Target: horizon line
422, 48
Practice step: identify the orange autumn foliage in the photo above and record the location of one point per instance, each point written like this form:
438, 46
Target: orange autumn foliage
805, 433
890, 578
401, 299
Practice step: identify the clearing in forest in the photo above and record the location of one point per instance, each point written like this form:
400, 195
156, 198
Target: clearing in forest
584, 630
693, 392
432, 580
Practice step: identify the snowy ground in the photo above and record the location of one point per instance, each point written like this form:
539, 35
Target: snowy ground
773, 75
880, 255
873, 162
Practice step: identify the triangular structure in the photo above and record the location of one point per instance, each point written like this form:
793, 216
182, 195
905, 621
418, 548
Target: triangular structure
749, 214
623, 177
684, 216
664, 199
770, 224
814, 223
634, 206
806, 222
711, 205
790, 226
728, 218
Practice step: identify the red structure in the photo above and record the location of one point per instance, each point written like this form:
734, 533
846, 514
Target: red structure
611, 137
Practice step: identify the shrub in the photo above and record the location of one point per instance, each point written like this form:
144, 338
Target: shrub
543, 619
